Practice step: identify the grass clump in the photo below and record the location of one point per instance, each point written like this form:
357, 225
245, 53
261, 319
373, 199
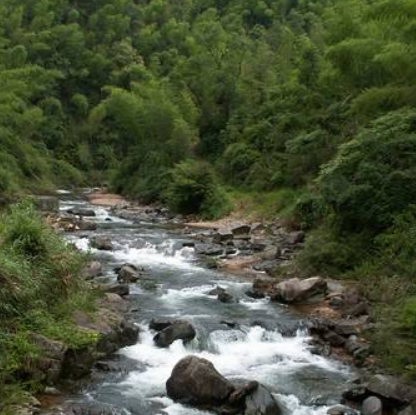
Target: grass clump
40, 288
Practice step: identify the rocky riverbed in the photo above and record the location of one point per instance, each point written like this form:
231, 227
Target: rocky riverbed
217, 331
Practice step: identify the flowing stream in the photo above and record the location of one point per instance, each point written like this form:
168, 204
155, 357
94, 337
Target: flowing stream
259, 349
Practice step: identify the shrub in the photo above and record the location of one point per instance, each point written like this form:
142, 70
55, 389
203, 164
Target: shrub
237, 161
194, 190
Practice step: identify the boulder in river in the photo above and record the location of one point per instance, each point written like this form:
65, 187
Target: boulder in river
195, 381
128, 273
179, 330
298, 291
101, 243
159, 324
81, 212
83, 225
208, 249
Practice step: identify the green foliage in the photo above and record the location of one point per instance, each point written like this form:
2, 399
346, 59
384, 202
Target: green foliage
40, 287
194, 190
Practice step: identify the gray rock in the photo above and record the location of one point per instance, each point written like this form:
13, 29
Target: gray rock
81, 212
208, 249
83, 225
222, 236
122, 290
299, 291
101, 243
159, 324
341, 410
241, 230
179, 330
261, 402
391, 389
226, 297
128, 273
372, 406
195, 381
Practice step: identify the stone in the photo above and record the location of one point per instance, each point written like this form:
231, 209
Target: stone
179, 330
298, 291
83, 225
122, 290
372, 406
159, 324
222, 236
261, 402
241, 229
341, 410
391, 389
128, 273
101, 243
94, 269
195, 381
208, 249
296, 237
407, 411
81, 212
226, 297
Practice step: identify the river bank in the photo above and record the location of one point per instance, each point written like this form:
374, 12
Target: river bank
170, 250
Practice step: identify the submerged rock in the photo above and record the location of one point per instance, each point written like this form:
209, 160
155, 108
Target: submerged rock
128, 273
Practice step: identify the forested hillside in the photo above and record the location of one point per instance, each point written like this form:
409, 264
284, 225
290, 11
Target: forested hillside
309, 103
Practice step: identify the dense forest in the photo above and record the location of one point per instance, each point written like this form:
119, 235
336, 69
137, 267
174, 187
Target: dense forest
307, 107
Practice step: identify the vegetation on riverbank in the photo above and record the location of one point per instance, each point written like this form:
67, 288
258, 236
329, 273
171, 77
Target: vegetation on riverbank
40, 287
303, 110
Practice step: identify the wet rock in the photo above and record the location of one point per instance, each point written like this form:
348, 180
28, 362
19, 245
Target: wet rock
241, 230
128, 273
208, 249
195, 381
101, 243
299, 291
94, 269
229, 323
346, 328
81, 212
341, 410
216, 291
179, 330
263, 286
188, 244
85, 225
222, 236
391, 390
355, 393
334, 339
123, 290
85, 409
372, 406
159, 324
226, 297
261, 402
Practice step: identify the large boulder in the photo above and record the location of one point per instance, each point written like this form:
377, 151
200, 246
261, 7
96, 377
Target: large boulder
195, 381
179, 330
391, 390
294, 290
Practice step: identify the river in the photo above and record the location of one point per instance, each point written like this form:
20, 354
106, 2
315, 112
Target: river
303, 383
